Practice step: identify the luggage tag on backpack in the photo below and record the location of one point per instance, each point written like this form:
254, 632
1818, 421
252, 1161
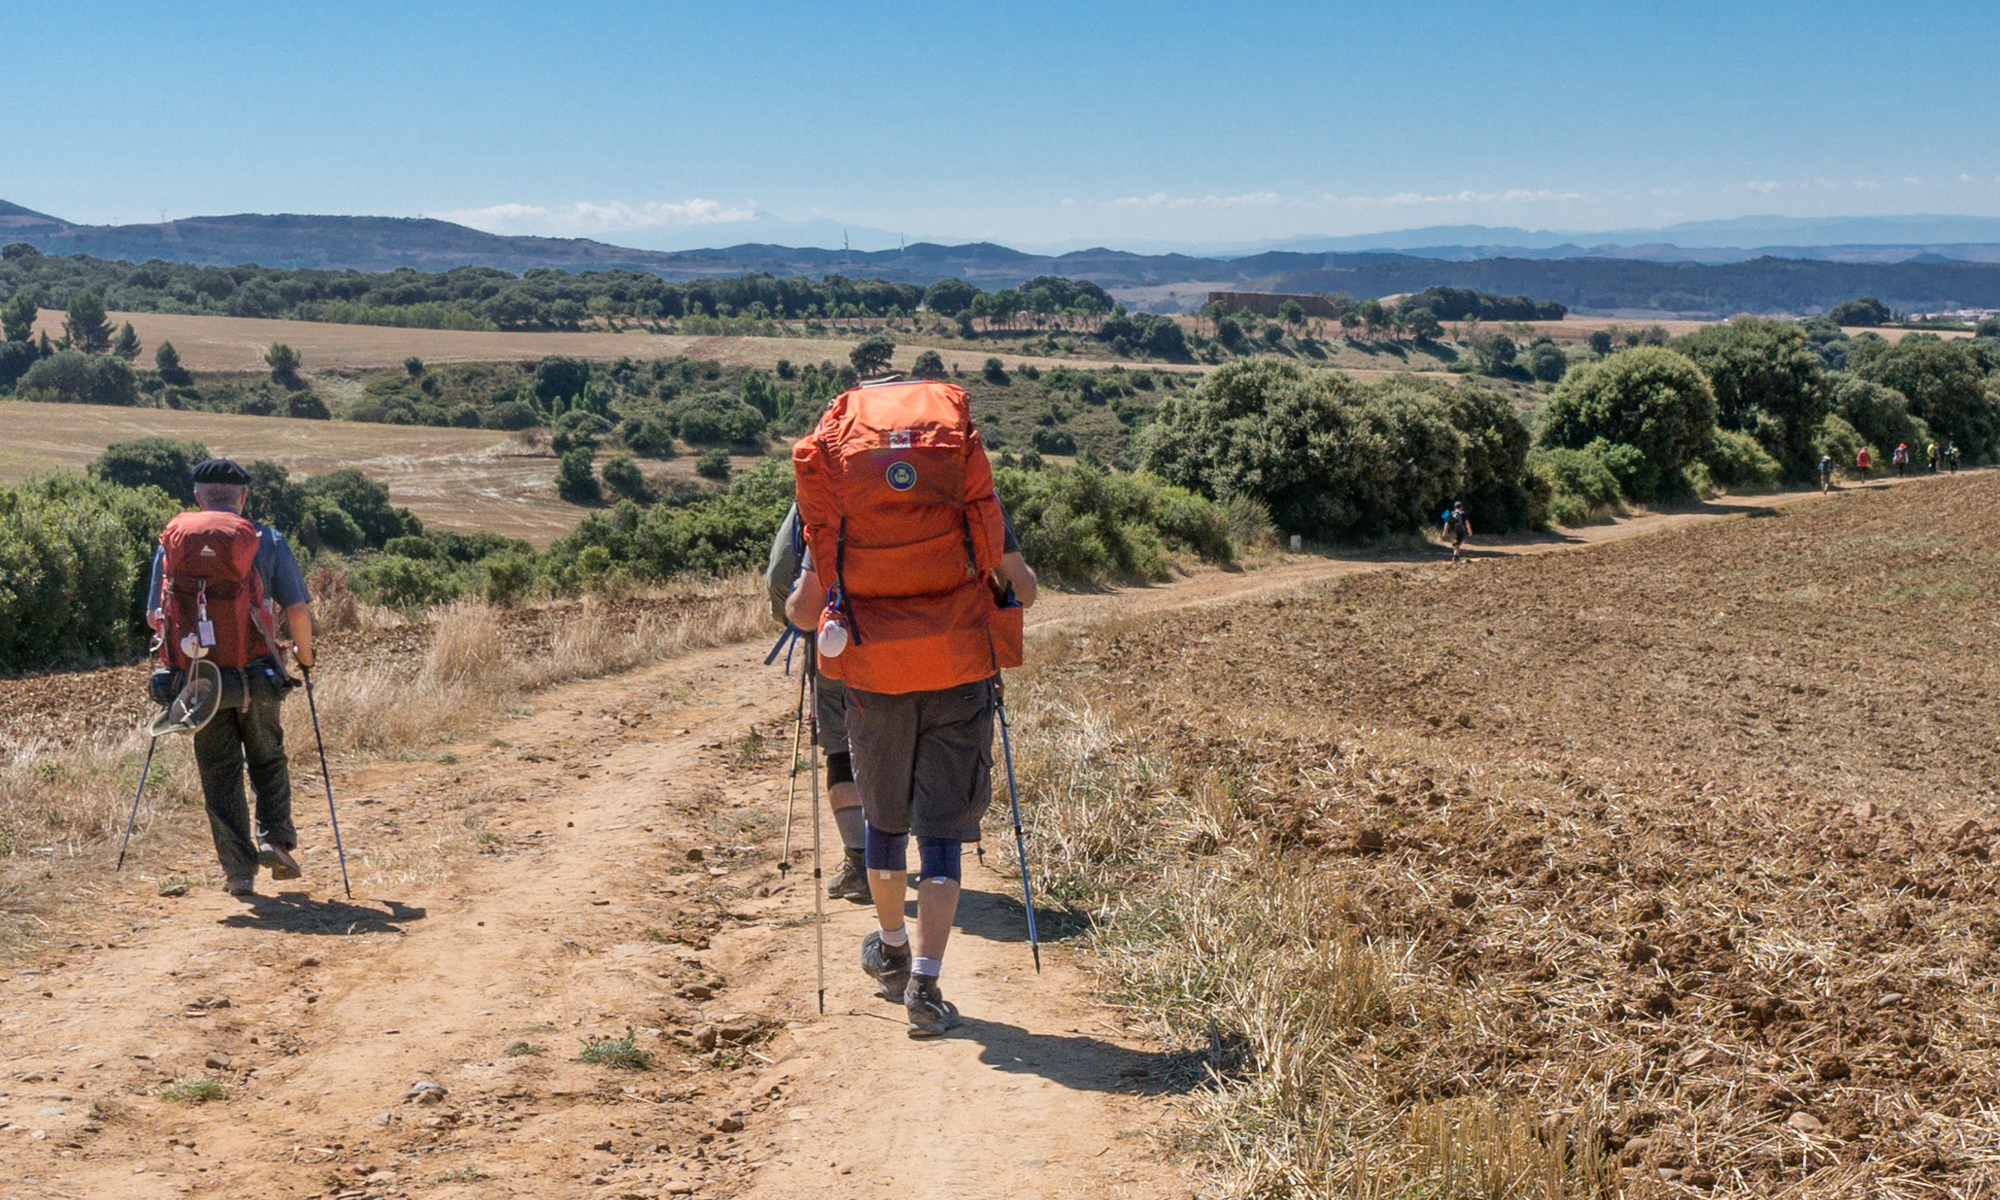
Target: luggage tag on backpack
205, 631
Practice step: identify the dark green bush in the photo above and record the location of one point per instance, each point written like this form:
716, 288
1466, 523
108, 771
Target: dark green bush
578, 429
73, 377
713, 418
1087, 525
1944, 383
400, 582
623, 479
151, 462
713, 464
74, 557
650, 435
1739, 461
575, 481
1332, 459
929, 365
364, 502
1648, 397
1879, 414
1547, 362
1768, 382
508, 578
510, 415
1580, 486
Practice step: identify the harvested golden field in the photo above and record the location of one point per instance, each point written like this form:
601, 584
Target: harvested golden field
1663, 867
238, 344
462, 479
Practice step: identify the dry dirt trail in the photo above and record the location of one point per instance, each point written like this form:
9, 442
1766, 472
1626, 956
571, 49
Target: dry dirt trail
626, 834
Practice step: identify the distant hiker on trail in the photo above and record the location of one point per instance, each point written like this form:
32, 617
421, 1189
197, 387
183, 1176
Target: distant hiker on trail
1931, 458
920, 610
215, 576
1951, 452
1457, 527
843, 799
1900, 459
1862, 462
1825, 472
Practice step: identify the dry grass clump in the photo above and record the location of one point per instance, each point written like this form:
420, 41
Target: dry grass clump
1259, 966
478, 661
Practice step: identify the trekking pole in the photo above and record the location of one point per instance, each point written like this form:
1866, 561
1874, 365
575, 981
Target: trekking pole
327, 779
1020, 838
134, 818
819, 889
792, 793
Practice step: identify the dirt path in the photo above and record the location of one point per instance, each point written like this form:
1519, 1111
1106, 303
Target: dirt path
603, 864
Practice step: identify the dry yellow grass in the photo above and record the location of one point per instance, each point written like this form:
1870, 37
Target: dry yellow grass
63, 808
238, 344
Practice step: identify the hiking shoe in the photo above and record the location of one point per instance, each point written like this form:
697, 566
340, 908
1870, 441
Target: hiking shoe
930, 1013
240, 885
279, 859
852, 882
888, 966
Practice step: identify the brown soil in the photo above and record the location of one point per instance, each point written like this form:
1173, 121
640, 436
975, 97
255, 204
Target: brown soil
615, 865
1709, 814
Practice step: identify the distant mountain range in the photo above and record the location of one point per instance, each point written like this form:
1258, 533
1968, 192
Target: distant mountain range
1698, 267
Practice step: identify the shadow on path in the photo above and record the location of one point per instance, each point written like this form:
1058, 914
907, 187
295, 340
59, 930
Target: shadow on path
297, 912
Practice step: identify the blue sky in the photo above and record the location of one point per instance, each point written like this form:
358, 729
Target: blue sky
674, 125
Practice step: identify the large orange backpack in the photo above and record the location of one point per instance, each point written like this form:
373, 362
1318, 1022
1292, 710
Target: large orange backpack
210, 590
896, 496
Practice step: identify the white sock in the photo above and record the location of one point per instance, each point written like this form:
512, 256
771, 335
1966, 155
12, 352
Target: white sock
931, 967
898, 937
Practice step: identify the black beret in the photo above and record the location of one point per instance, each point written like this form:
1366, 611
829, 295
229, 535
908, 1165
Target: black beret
220, 470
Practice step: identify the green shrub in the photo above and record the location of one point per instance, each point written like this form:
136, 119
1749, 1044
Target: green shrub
1547, 362
1333, 459
929, 365
1639, 478
651, 435
73, 377
623, 479
1580, 486
1649, 398
1842, 441
508, 578
1879, 414
714, 418
713, 464
399, 582
1943, 382
575, 481
1087, 525
716, 536
1738, 461
510, 415
1767, 381
578, 429
151, 462
74, 556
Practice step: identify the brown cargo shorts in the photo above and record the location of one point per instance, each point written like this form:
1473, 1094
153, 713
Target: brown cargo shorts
924, 760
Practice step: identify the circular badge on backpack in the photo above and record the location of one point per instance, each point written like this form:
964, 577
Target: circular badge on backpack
902, 476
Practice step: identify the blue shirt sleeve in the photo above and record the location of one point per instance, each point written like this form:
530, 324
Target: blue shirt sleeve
283, 582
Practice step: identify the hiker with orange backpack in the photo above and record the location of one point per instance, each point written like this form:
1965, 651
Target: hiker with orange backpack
213, 574
913, 589
1863, 462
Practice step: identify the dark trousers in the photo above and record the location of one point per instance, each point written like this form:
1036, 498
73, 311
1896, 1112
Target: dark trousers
252, 736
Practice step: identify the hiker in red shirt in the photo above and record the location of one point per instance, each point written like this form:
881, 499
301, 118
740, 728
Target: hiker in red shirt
212, 575
917, 611
1862, 462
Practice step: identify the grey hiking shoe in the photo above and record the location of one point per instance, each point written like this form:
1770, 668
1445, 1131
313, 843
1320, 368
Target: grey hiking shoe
888, 966
852, 882
240, 885
279, 859
930, 1013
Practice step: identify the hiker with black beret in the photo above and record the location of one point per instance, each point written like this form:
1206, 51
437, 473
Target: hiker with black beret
202, 612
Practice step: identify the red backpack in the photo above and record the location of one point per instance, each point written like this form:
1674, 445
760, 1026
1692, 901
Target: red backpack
210, 591
896, 496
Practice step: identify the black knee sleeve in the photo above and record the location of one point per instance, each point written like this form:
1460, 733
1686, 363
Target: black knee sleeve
839, 768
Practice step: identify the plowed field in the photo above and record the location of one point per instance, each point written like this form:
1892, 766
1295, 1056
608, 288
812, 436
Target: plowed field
1703, 819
